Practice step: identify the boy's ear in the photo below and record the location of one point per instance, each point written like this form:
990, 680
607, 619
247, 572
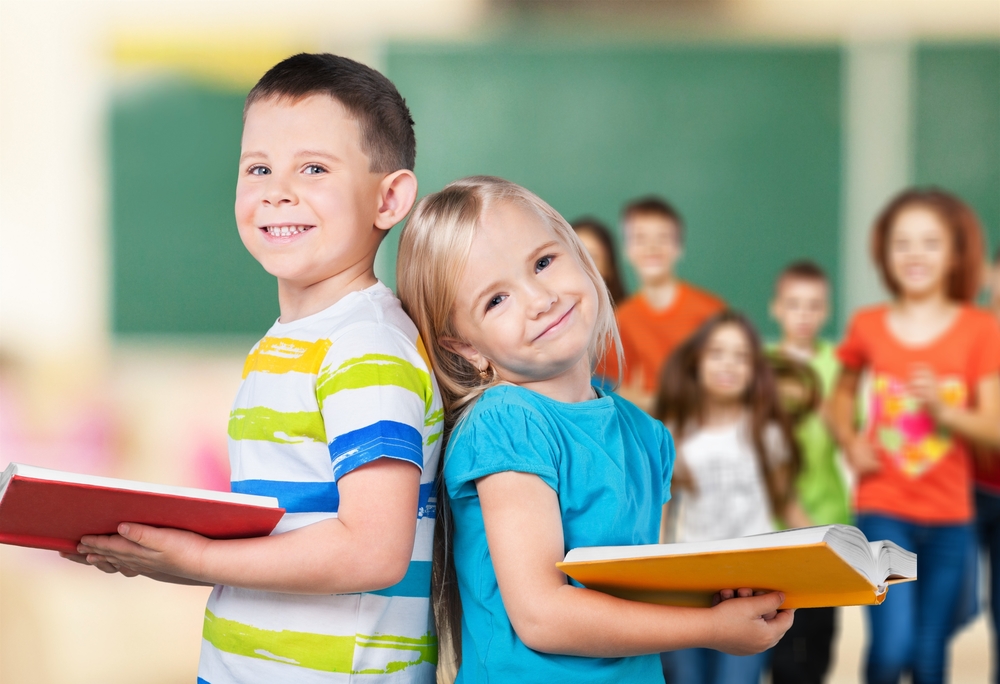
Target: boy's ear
396, 194
465, 350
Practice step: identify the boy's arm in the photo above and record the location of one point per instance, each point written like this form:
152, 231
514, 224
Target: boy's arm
524, 533
366, 548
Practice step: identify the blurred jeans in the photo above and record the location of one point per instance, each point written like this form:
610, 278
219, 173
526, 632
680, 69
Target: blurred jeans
911, 629
988, 522
705, 666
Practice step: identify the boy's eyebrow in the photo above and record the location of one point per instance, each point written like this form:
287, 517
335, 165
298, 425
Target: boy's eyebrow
299, 153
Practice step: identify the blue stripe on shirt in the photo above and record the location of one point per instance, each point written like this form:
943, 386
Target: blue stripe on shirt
416, 583
320, 497
384, 438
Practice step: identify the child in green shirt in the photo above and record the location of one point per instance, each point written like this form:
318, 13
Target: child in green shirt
801, 306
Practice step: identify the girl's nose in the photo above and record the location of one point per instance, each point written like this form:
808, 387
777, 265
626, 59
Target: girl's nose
540, 299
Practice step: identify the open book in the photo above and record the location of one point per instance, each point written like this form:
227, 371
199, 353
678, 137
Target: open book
52, 509
831, 565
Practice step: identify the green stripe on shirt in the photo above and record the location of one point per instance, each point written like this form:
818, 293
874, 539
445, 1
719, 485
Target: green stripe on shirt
262, 423
374, 370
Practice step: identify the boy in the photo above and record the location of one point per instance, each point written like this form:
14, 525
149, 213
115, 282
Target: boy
338, 415
801, 306
665, 311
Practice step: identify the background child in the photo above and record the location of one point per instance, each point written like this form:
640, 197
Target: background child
935, 367
665, 310
735, 459
596, 237
337, 415
801, 306
988, 493
539, 461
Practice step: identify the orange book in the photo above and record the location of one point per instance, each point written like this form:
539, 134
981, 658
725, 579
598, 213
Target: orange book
831, 565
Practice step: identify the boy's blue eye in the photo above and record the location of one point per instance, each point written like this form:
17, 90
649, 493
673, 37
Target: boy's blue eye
258, 170
495, 301
543, 263
313, 169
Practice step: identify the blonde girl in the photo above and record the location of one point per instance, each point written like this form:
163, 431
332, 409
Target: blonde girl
514, 314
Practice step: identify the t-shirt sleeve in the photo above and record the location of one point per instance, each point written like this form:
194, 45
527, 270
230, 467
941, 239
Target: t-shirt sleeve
987, 356
501, 439
853, 352
668, 455
374, 391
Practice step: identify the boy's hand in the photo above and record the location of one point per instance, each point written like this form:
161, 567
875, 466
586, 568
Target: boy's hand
144, 550
749, 624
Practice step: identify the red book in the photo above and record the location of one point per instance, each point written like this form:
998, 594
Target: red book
52, 509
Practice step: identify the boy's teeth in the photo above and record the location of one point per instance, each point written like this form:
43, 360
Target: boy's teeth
285, 231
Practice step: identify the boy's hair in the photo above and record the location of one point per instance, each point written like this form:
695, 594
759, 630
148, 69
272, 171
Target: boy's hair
652, 205
589, 224
962, 282
680, 399
368, 96
433, 250
803, 269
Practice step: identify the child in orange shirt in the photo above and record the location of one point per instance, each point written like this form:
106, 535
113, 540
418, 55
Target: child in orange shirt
934, 361
665, 311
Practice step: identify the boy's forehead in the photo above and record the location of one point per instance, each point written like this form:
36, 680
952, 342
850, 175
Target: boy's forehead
649, 222
313, 119
791, 284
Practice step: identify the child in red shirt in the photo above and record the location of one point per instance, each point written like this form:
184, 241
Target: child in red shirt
934, 367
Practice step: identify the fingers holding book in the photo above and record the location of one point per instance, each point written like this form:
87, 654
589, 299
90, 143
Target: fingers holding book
751, 620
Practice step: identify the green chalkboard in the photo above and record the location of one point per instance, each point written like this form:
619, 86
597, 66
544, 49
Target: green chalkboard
745, 140
957, 112
178, 263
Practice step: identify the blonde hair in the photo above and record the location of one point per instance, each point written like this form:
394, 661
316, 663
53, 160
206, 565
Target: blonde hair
433, 251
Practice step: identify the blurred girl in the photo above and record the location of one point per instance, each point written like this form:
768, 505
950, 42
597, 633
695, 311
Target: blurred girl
596, 237
934, 363
514, 313
736, 458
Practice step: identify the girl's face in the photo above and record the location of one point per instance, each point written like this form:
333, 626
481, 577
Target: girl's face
725, 368
526, 306
597, 252
919, 253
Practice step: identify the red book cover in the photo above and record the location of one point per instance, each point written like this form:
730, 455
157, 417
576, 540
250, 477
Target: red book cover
51, 509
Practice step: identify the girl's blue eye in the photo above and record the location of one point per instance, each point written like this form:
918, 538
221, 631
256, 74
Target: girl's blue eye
313, 169
258, 170
495, 301
543, 263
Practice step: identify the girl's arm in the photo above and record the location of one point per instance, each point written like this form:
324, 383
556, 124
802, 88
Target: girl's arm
524, 533
979, 424
842, 408
365, 548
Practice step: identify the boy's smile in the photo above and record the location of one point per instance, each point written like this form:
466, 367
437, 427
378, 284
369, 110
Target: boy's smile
306, 202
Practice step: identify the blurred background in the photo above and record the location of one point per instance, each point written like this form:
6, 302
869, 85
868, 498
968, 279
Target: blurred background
127, 302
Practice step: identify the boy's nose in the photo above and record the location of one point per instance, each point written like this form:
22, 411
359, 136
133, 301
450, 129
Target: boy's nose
280, 191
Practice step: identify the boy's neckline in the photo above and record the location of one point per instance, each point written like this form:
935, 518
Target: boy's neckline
306, 320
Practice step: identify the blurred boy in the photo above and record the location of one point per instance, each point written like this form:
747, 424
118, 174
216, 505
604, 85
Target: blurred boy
338, 415
801, 306
665, 311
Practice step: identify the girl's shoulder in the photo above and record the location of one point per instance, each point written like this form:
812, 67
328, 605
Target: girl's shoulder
503, 407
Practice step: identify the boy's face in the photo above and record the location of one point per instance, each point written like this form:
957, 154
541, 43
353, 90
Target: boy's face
305, 200
801, 307
653, 246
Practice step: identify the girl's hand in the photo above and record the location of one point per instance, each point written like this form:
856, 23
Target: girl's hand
144, 550
924, 387
749, 623
862, 457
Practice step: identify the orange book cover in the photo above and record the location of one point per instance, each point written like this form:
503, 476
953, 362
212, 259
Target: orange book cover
833, 565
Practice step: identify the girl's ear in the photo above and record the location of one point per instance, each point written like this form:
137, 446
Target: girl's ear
465, 350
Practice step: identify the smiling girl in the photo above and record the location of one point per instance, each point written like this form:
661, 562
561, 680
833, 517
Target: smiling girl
539, 461
934, 364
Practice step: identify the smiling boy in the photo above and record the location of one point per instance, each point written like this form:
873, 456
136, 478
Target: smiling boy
338, 415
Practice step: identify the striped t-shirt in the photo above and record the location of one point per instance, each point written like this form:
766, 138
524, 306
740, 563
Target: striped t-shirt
320, 397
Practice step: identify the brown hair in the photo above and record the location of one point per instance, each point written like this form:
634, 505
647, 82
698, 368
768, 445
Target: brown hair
655, 206
962, 282
680, 400
803, 269
588, 224
368, 96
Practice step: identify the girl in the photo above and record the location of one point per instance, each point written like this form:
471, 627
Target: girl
934, 364
539, 461
736, 458
596, 237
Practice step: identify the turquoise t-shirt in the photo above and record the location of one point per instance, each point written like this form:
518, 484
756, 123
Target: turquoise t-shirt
610, 464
